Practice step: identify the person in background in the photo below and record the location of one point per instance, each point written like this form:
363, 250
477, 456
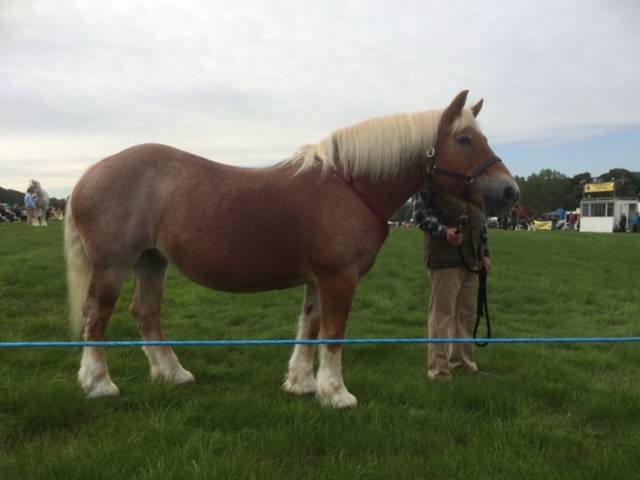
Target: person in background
622, 224
635, 222
453, 257
29, 204
6, 215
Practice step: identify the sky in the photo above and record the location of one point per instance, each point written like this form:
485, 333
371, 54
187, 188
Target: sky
248, 82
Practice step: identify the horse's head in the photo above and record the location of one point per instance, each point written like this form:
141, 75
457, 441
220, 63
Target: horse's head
462, 162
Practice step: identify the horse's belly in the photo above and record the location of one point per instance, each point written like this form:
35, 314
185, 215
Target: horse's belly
239, 282
232, 272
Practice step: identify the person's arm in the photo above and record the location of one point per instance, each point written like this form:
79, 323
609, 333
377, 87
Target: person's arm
425, 217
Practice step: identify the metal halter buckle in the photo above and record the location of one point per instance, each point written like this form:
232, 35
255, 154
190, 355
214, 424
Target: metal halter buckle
431, 152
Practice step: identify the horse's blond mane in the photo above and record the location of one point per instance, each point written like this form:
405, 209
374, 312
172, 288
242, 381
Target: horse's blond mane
378, 147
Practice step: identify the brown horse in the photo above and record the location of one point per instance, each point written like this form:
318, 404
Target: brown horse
522, 216
317, 219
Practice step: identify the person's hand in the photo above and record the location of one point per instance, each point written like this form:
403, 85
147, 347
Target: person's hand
486, 264
454, 237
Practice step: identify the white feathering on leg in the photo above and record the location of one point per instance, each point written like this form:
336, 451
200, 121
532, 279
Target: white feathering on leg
93, 375
331, 389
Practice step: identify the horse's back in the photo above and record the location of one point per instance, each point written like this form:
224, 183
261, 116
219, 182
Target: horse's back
187, 207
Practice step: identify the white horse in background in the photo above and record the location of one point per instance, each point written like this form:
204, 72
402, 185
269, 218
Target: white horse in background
41, 199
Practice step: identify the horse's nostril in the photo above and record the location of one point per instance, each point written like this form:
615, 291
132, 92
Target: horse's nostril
509, 193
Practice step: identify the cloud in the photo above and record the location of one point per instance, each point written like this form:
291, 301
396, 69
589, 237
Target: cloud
249, 82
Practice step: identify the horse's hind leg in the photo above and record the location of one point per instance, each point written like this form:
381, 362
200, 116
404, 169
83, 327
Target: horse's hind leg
336, 294
300, 379
150, 271
101, 298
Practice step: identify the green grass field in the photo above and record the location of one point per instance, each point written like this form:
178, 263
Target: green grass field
551, 412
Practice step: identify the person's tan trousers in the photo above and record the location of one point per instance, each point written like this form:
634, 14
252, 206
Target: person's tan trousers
452, 311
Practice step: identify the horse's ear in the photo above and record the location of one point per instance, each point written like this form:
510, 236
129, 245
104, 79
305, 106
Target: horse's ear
453, 110
477, 107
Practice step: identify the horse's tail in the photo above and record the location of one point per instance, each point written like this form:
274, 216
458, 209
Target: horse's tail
78, 271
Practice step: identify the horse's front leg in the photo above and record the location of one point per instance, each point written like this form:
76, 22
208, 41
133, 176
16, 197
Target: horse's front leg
336, 294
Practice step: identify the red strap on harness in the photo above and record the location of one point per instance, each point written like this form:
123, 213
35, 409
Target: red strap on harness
368, 202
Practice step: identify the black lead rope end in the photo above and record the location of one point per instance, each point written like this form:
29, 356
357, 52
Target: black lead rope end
482, 308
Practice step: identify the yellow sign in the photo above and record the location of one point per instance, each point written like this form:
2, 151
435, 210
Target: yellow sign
542, 225
599, 187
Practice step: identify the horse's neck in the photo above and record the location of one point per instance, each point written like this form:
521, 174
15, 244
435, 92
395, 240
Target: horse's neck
389, 194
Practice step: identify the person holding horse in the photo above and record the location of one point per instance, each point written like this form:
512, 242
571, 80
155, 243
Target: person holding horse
40, 202
455, 248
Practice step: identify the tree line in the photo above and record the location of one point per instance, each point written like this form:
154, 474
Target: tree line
548, 190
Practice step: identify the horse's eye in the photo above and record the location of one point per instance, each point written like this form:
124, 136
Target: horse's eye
464, 141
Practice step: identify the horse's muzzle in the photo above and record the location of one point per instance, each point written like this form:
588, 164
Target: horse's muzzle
500, 195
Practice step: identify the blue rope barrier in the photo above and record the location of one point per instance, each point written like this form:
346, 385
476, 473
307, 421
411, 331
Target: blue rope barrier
353, 341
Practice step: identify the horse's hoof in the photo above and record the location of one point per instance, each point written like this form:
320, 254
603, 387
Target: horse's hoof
103, 389
300, 387
176, 377
183, 377
340, 399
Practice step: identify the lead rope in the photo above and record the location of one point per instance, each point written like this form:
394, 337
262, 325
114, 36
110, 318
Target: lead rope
482, 305
482, 308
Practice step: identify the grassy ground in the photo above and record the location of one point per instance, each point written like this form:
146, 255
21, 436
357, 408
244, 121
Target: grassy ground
565, 412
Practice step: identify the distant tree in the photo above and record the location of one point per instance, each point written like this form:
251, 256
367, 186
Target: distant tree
627, 183
634, 178
544, 191
11, 196
576, 190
